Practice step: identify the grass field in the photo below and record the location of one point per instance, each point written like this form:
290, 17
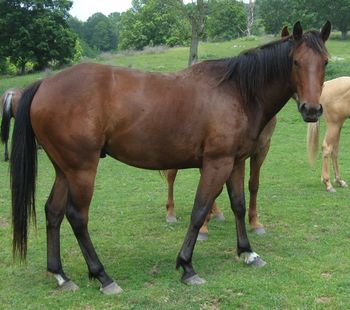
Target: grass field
306, 246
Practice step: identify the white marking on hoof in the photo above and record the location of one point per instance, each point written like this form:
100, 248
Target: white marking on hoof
259, 230
219, 217
68, 286
171, 219
194, 280
111, 289
253, 259
341, 183
331, 190
202, 236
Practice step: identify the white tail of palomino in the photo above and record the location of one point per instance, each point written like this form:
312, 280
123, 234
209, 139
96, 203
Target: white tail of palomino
312, 140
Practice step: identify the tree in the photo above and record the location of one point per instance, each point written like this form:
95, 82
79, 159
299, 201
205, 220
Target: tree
196, 14
99, 32
227, 19
153, 22
36, 31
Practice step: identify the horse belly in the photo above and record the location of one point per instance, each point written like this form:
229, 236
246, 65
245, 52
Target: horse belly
150, 152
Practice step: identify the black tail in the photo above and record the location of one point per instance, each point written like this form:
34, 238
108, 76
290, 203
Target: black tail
5, 122
23, 172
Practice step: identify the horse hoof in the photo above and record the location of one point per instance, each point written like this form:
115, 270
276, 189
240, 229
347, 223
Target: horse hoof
111, 289
171, 219
331, 190
202, 236
253, 259
194, 280
68, 286
259, 230
219, 217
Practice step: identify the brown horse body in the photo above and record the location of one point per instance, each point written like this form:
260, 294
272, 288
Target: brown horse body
256, 160
9, 101
335, 100
221, 106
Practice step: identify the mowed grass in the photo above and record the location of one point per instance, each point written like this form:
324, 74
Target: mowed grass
306, 246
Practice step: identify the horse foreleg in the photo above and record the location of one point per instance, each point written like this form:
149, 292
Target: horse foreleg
54, 209
235, 189
6, 155
214, 175
80, 194
170, 177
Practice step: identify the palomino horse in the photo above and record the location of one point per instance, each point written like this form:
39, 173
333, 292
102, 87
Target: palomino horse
256, 160
9, 100
335, 100
133, 116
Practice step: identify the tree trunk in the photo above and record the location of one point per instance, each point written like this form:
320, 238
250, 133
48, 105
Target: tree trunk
344, 34
197, 23
193, 57
250, 18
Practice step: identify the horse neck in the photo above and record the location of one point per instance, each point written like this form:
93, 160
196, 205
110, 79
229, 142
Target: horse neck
271, 101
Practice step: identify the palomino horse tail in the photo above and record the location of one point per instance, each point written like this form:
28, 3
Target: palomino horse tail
23, 172
6, 119
313, 138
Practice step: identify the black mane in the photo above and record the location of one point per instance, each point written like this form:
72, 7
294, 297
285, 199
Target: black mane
253, 69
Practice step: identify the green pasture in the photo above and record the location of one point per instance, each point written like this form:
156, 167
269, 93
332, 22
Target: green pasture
306, 247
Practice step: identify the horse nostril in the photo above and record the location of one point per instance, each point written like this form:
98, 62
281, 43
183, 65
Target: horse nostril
302, 107
320, 110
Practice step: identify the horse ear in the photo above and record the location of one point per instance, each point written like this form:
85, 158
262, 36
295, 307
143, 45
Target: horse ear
326, 30
297, 31
285, 32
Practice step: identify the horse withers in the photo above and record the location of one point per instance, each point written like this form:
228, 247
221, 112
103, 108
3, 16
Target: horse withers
222, 106
335, 99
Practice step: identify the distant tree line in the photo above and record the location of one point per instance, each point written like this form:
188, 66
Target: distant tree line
36, 34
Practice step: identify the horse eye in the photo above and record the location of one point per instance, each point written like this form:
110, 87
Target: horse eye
326, 62
295, 63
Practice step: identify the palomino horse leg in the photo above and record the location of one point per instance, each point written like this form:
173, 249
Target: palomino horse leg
330, 139
55, 209
80, 194
213, 177
235, 189
170, 177
337, 179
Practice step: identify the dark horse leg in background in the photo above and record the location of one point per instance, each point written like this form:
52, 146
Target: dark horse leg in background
214, 212
6, 121
256, 161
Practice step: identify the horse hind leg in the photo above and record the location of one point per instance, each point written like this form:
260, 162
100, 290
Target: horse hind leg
337, 180
330, 139
54, 210
79, 198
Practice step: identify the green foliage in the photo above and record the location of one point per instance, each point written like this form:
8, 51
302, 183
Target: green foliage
36, 31
312, 13
99, 32
153, 22
227, 20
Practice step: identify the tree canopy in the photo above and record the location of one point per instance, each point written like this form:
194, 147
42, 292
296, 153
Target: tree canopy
36, 31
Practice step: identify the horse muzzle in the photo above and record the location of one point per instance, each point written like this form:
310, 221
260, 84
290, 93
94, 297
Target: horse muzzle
310, 114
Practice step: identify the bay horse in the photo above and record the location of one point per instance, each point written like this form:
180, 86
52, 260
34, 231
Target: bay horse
134, 116
256, 160
335, 100
9, 101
